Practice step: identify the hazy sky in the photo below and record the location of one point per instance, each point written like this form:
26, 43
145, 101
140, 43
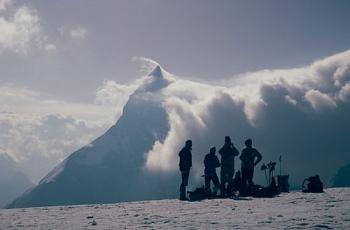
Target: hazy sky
66, 67
96, 40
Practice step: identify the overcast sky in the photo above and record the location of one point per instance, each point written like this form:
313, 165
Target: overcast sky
67, 67
89, 41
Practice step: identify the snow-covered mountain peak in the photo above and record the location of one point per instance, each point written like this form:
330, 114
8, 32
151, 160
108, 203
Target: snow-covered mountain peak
156, 72
101, 171
156, 80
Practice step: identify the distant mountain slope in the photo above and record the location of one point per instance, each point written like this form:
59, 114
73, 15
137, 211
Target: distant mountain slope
110, 169
342, 178
12, 181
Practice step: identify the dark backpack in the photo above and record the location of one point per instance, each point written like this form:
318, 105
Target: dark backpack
314, 185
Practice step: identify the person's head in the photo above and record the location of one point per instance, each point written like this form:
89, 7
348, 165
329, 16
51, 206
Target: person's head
248, 142
212, 150
188, 144
227, 139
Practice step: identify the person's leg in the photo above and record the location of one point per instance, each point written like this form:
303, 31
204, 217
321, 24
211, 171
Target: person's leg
216, 181
184, 183
230, 175
223, 179
207, 183
185, 175
250, 175
244, 177
222, 176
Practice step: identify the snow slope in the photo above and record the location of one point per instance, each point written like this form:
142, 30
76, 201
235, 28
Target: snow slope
111, 168
295, 210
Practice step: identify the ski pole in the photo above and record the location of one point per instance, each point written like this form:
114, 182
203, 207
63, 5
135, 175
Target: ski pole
280, 165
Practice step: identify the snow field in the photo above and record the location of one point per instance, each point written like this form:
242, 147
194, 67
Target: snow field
295, 210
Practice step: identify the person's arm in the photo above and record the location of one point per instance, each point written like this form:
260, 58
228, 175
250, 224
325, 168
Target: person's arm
181, 153
241, 157
259, 157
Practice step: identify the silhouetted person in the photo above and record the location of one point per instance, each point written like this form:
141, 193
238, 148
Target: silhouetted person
185, 165
228, 153
248, 156
211, 162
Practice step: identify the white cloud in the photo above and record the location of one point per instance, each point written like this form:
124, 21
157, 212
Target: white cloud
4, 4
18, 32
344, 93
319, 100
185, 118
114, 94
342, 74
50, 47
24, 101
78, 33
39, 130
39, 143
146, 65
289, 105
291, 100
285, 105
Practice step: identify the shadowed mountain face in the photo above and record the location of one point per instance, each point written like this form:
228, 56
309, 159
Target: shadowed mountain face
111, 168
342, 178
12, 181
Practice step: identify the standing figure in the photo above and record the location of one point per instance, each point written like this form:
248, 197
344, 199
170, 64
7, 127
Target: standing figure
248, 156
228, 153
211, 162
185, 165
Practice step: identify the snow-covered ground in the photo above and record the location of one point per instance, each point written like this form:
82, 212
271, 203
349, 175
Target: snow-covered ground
295, 210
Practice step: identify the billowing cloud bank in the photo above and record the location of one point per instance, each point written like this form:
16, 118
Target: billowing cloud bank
301, 113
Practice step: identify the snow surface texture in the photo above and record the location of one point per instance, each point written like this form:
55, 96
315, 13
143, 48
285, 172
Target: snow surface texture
295, 210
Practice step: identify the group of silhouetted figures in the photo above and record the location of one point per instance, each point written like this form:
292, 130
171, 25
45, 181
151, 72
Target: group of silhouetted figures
232, 182
242, 180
